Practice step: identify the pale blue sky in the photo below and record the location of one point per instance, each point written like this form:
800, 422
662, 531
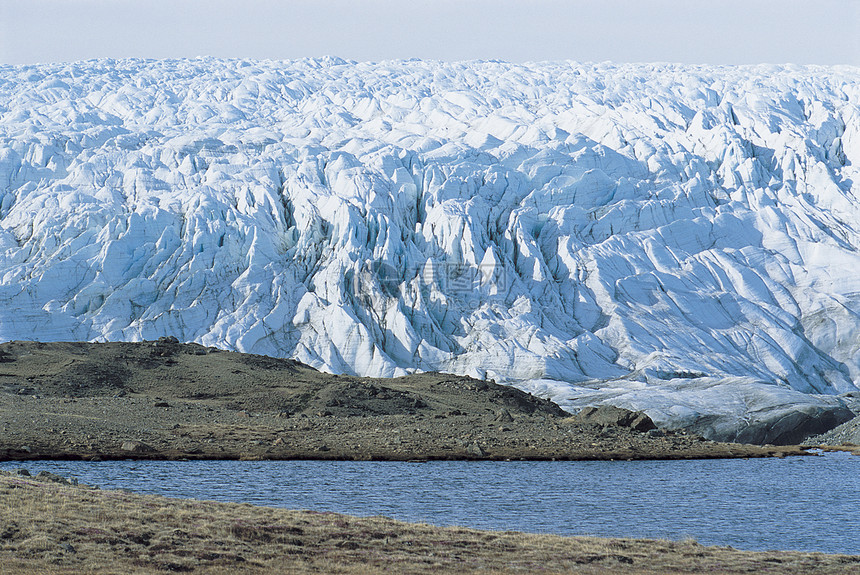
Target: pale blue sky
690, 31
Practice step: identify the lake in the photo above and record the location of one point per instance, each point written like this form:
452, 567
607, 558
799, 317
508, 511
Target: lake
797, 503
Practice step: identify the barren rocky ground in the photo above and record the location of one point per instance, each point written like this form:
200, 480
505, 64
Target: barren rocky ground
845, 437
166, 399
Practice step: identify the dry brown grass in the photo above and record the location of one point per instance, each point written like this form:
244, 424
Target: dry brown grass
47, 527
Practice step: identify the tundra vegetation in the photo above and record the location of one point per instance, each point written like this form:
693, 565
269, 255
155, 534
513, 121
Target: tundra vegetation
48, 526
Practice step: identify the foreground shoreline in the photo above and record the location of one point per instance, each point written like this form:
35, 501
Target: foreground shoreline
166, 400
50, 526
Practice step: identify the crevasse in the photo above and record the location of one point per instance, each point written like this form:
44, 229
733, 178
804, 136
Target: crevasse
679, 239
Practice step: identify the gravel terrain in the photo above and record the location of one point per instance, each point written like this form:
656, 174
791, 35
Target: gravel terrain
165, 400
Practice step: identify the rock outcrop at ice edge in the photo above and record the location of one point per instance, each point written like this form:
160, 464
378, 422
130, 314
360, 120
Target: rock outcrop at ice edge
674, 239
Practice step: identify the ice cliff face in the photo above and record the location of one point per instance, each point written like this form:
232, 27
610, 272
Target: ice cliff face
671, 238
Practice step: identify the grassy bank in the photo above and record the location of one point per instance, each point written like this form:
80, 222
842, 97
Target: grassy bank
50, 527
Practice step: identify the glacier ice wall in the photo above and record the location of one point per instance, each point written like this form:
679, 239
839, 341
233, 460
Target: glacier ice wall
678, 239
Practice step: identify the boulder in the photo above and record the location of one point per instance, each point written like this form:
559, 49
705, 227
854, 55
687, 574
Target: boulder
504, 416
475, 449
609, 415
136, 447
53, 477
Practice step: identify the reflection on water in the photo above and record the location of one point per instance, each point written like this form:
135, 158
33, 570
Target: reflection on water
803, 503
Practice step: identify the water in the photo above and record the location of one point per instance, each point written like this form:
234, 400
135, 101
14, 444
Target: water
798, 503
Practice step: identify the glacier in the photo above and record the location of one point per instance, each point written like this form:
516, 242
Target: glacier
676, 239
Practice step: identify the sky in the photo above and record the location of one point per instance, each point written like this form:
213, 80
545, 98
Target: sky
686, 31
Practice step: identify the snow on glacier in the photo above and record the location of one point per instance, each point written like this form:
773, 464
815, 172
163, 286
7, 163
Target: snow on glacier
679, 239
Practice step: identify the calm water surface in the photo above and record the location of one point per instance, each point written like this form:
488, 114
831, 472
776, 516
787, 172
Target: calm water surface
802, 503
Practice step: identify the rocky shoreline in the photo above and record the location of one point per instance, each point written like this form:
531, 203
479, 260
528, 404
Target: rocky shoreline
168, 400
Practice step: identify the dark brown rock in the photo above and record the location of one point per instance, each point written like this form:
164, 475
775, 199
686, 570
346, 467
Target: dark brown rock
136, 447
609, 415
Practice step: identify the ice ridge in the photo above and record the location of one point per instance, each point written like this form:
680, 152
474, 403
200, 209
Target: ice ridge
678, 239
